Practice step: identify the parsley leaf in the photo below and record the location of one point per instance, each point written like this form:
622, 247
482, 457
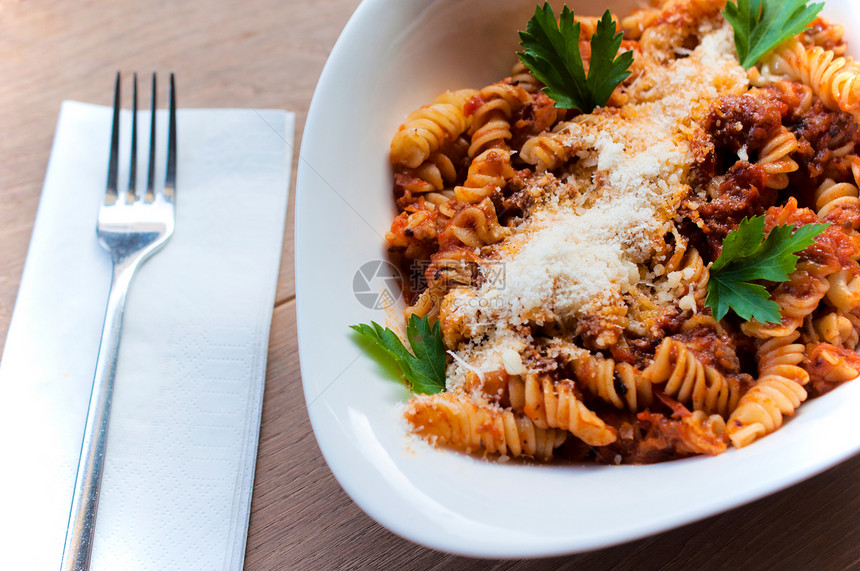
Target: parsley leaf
750, 301
424, 367
748, 255
551, 53
761, 25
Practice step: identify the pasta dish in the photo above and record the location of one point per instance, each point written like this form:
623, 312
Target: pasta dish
570, 257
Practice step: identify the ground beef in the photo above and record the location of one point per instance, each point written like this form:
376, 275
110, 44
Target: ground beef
820, 133
536, 117
710, 348
786, 97
651, 437
735, 187
741, 194
742, 122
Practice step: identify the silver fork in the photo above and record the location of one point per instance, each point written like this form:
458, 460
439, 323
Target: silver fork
131, 228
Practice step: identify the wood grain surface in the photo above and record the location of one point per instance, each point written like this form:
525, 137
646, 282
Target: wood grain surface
269, 53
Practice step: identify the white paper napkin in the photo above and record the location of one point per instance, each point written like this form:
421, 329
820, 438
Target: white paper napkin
182, 443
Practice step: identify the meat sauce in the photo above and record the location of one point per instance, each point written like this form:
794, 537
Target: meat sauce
832, 249
829, 366
738, 122
742, 194
651, 436
823, 137
736, 125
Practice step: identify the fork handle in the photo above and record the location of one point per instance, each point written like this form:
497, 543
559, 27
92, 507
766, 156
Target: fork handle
82, 518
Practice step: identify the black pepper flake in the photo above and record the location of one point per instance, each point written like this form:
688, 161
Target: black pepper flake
620, 387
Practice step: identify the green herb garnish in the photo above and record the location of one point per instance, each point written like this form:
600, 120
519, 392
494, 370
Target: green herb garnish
747, 255
551, 53
424, 367
761, 25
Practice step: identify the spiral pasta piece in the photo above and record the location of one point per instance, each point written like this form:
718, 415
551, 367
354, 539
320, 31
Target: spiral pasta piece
521, 76
491, 125
781, 356
636, 23
455, 421
474, 226
588, 26
554, 405
672, 252
602, 321
425, 305
836, 329
777, 392
430, 177
598, 376
691, 382
836, 80
458, 98
797, 298
427, 128
437, 170
845, 88
489, 172
844, 290
448, 269
694, 277
829, 366
824, 34
830, 195
775, 158
451, 319
546, 151
413, 232
617, 384
704, 434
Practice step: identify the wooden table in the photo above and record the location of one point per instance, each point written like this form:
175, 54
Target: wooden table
269, 53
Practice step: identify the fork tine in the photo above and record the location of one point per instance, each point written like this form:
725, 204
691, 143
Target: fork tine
170, 177
132, 170
113, 158
150, 178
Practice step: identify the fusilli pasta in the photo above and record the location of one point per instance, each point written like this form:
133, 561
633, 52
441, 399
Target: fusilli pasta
426, 129
689, 381
568, 255
777, 393
836, 80
474, 428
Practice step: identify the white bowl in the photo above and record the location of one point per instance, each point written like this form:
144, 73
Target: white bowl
392, 57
